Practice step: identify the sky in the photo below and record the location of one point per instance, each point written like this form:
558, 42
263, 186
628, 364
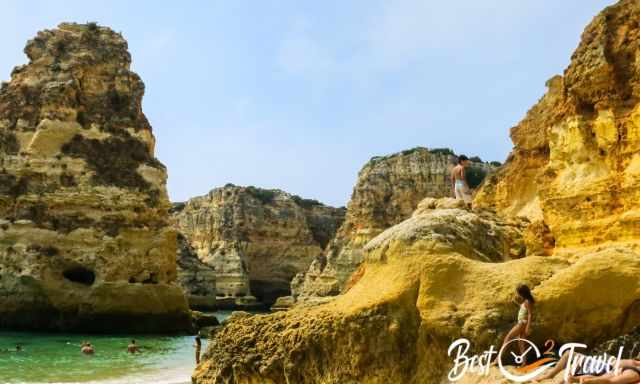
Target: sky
299, 95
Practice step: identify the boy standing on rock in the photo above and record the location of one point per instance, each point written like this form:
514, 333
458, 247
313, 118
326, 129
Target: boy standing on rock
459, 181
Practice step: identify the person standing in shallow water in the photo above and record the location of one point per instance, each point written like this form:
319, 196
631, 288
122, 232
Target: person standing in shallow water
198, 346
459, 181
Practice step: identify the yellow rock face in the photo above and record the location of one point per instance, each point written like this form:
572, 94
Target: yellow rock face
430, 280
575, 163
85, 242
566, 224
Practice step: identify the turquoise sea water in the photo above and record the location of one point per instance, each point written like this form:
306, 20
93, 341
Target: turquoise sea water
56, 358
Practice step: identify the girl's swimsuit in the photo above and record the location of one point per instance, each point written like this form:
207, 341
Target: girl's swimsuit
523, 314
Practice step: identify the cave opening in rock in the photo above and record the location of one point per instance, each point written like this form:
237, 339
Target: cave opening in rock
80, 275
152, 279
267, 292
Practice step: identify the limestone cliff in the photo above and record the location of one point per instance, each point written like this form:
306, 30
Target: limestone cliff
256, 239
197, 279
575, 165
387, 191
568, 194
85, 241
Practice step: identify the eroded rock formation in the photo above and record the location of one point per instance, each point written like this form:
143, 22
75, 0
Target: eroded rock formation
197, 279
256, 239
568, 193
85, 241
387, 191
429, 280
575, 164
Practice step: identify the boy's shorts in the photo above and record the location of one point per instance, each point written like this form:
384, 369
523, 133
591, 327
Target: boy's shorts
462, 193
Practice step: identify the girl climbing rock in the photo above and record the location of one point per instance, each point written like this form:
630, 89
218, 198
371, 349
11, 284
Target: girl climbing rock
522, 329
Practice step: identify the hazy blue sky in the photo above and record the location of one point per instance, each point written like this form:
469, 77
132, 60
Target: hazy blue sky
298, 95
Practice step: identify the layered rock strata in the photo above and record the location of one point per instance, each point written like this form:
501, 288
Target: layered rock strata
569, 193
197, 279
575, 165
387, 191
85, 240
256, 239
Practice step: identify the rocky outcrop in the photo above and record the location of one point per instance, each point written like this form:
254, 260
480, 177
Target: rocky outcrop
256, 239
630, 343
197, 279
443, 274
568, 194
387, 191
85, 240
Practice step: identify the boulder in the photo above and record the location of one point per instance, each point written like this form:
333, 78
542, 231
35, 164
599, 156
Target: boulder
283, 303
202, 320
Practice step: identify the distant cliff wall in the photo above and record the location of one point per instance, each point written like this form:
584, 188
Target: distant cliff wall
256, 239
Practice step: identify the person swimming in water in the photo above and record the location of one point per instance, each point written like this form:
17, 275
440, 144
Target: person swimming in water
87, 349
133, 348
9, 350
459, 181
